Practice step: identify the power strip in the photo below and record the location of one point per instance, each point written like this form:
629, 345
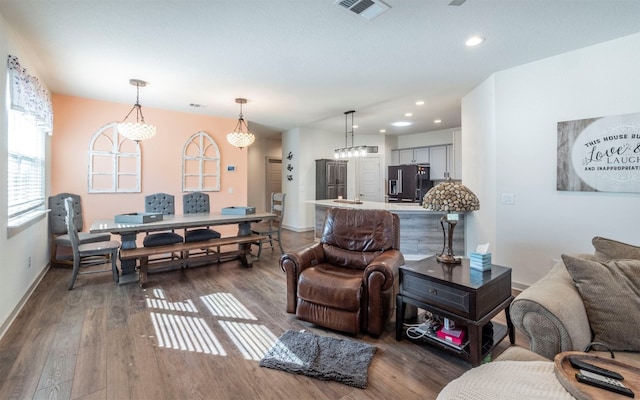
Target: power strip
423, 328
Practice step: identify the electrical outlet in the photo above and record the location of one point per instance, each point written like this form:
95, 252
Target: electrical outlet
29, 262
508, 198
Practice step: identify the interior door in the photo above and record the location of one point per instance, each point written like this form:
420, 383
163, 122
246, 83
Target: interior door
273, 179
370, 179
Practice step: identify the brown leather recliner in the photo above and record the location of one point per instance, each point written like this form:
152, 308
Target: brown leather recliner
349, 280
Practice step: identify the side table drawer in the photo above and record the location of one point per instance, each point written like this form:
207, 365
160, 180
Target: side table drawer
436, 294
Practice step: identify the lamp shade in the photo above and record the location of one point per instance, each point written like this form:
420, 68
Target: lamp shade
136, 131
450, 196
241, 139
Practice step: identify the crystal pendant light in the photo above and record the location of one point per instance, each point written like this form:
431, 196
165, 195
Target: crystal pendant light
138, 130
241, 137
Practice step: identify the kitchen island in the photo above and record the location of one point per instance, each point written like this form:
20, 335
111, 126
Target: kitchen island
421, 234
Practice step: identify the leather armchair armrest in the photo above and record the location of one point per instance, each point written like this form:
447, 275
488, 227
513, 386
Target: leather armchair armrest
293, 264
387, 265
381, 279
552, 315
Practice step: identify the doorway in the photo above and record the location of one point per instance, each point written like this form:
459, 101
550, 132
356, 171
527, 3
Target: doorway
273, 179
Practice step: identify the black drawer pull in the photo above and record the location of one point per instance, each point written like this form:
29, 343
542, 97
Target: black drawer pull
433, 291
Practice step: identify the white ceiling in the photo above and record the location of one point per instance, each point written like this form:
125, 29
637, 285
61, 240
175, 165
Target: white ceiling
302, 63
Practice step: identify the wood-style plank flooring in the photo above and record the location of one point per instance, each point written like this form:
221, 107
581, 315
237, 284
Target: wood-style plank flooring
104, 341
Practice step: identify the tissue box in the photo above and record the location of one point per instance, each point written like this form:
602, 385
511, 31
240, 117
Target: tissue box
238, 210
479, 261
138, 218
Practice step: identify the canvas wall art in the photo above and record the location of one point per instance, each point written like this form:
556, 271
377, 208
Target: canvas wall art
599, 154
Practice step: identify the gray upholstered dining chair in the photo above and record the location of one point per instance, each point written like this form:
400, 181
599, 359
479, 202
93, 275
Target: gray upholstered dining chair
271, 229
161, 203
59, 237
197, 203
108, 248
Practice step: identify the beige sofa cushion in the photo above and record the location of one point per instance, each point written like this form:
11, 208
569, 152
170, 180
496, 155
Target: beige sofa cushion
608, 249
611, 294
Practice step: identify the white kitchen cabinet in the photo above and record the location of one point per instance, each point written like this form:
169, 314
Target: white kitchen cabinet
442, 160
406, 156
438, 162
450, 162
421, 155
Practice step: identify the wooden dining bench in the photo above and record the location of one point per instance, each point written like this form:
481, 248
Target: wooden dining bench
183, 248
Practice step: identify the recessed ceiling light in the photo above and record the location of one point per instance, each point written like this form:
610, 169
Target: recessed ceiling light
383, 130
354, 126
474, 41
408, 114
401, 123
419, 103
437, 121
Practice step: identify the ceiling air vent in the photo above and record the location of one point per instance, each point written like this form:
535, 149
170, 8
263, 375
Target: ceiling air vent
367, 9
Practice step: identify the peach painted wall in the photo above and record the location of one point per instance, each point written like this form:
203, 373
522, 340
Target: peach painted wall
77, 119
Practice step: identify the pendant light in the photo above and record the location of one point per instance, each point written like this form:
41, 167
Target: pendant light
138, 130
346, 151
241, 137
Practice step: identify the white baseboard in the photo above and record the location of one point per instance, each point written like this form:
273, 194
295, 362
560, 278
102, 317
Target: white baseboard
7, 323
290, 228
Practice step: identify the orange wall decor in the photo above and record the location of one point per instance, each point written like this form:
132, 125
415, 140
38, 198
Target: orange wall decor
77, 119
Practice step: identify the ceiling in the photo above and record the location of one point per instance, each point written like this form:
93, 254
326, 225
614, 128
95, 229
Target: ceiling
302, 63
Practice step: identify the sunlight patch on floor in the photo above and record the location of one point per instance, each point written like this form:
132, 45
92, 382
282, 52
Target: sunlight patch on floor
226, 305
161, 303
252, 340
185, 333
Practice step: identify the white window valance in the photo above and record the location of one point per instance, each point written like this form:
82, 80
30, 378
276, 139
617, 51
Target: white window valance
28, 96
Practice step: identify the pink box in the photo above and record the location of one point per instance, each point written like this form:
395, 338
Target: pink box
455, 336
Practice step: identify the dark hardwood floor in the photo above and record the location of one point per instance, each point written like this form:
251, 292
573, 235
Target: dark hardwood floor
105, 341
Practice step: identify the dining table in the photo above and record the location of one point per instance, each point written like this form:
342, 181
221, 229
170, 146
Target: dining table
128, 232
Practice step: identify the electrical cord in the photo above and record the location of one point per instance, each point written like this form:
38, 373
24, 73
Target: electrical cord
426, 328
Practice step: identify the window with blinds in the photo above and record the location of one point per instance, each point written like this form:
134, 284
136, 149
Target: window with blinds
26, 166
30, 117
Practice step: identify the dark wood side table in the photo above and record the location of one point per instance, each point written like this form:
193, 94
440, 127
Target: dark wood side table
466, 296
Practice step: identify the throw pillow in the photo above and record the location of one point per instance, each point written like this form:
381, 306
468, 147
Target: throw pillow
611, 294
609, 249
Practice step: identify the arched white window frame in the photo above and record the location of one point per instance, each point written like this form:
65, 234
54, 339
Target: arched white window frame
201, 164
121, 163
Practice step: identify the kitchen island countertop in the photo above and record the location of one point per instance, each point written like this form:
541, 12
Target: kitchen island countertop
376, 205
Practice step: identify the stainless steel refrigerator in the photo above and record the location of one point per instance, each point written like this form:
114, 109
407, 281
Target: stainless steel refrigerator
408, 183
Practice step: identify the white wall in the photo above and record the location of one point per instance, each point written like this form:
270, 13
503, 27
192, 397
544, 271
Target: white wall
509, 144
479, 164
18, 279
299, 213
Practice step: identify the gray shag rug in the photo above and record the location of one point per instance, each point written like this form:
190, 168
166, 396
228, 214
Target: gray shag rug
325, 358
